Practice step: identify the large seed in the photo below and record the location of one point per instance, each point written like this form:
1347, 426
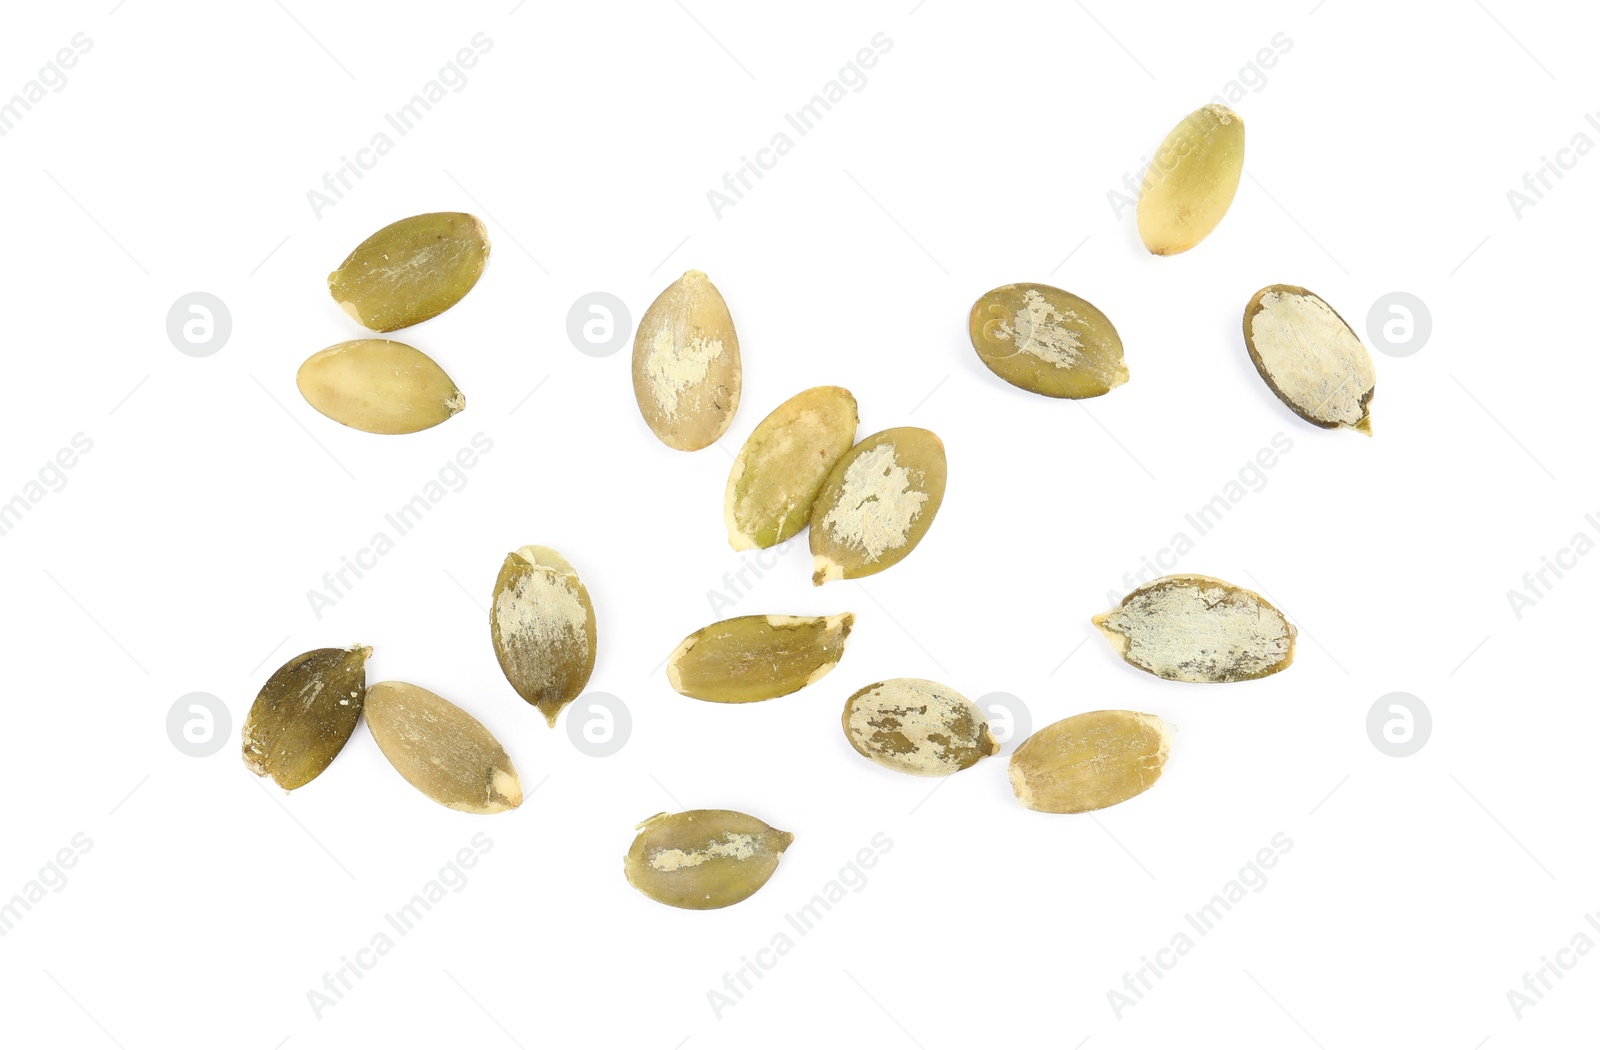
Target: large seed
411, 270
1048, 341
1089, 761
704, 858
379, 386
686, 370
304, 714
1310, 357
915, 726
779, 471
751, 658
542, 625
1199, 629
441, 750
1192, 180
877, 504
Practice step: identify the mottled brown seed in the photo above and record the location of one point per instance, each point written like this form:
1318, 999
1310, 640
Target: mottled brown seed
779, 471
1089, 761
1047, 341
304, 714
441, 750
1310, 357
411, 270
1191, 181
912, 725
877, 504
686, 370
751, 658
542, 624
704, 858
1199, 629
379, 386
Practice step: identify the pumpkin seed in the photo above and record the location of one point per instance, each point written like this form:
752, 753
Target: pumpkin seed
751, 658
379, 386
1191, 182
877, 504
1089, 761
915, 726
779, 471
304, 714
542, 624
704, 858
1047, 341
1310, 357
686, 370
441, 750
1199, 629
411, 270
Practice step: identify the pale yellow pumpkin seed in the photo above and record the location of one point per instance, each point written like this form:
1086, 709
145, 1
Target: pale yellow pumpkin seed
783, 464
1199, 629
441, 750
912, 725
704, 858
411, 270
750, 658
379, 386
1191, 180
1310, 357
877, 504
1047, 341
687, 374
542, 624
1089, 761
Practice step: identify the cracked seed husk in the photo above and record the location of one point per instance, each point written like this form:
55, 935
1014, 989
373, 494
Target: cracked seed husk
441, 750
411, 270
1089, 761
305, 713
542, 624
1199, 629
1191, 181
379, 386
912, 725
1047, 341
686, 371
750, 658
783, 464
1310, 357
877, 504
703, 858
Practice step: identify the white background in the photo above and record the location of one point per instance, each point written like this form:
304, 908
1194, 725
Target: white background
179, 554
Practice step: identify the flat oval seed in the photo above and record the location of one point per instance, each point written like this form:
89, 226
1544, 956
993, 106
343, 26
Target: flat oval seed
1190, 184
1089, 761
304, 714
686, 370
411, 270
877, 504
1310, 357
542, 625
1047, 341
379, 386
783, 464
751, 658
915, 726
441, 750
704, 858
1199, 629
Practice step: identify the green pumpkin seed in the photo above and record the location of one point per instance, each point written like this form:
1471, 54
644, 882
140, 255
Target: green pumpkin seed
915, 726
411, 270
1192, 180
304, 714
704, 858
379, 386
1310, 357
542, 624
1047, 341
1089, 761
750, 658
779, 471
686, 370
1199, 629
441, 750
877, 504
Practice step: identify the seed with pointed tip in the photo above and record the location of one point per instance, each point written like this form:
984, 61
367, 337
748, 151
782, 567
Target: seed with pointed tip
1047, 341
686, 370
1199, 629
1192, 180
411, 270
779, 471
1089, 761
542, 624
379, 386
912, 725
441, 750
1310, 357
305, 713
704, 858
877, 504
751, 658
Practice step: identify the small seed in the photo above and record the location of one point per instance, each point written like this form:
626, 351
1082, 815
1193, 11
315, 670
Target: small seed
704, 858
779, 471
411, 270
542, 625
1191, 182
379, 386
1089, 761
877, 504
304, 714
1310, 357
751, 658
1199, 629
919, 727
686, 371
1047, 341
441, 750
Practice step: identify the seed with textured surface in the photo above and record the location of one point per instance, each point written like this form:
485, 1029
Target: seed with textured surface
686, 370
1199, 629
411, 270
304, 714
704, 858
779, 471
1048, 341
441, 750
1192, 180
877, 504
1089, 761
752, 658
915, 726
542, 625
380, 386
1310, 358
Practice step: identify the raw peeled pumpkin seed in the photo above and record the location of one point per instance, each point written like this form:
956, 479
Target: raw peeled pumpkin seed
542, 625
304, 714
915, 726
379, 386
1047, 341
1199, 629
877, 504
441, 750
686, 370
411, 270
751, 658
779, 471
1192, 180
1089, 761
704, 858
1310, 357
